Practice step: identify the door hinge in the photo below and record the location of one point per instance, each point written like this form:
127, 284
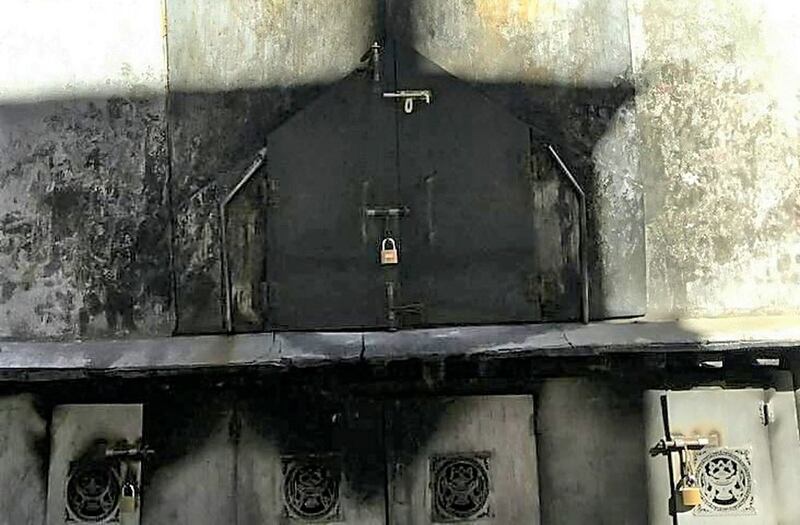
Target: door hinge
766, 414
272, 192
272, 294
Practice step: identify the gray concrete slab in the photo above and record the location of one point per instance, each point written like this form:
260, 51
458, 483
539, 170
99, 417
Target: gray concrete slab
29, 361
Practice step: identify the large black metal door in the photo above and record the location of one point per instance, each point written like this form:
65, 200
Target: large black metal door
326, 165
487, 215
485, 226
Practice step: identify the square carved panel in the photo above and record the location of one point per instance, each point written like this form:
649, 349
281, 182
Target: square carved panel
460, 486
725, 478
311, 487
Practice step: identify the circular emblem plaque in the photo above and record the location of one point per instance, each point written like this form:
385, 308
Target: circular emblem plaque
93, 492
460, 488
311, 490
725, 480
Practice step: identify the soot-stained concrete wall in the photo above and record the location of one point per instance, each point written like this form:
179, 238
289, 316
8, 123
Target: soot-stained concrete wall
84, 228
719, 122
23, 461
219, 450
236, 71
691, 106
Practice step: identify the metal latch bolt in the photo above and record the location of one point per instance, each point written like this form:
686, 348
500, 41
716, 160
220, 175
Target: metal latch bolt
409, 96
687, 486
666, 446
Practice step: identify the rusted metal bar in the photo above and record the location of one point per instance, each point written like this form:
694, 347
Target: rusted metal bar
261, 156
584, 261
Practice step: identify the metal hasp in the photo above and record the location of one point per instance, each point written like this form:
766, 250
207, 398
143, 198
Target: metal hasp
387, 211
261, 156
408, 97
582, 234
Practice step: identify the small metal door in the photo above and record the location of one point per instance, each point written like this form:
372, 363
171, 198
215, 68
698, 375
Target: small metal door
304, 459
85, 481
462, 460
740, 480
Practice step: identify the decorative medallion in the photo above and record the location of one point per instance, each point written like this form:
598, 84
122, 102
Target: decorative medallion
459, 487
311, 488
725, 478
92, 493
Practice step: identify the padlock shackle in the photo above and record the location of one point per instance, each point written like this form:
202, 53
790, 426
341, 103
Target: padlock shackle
386, 240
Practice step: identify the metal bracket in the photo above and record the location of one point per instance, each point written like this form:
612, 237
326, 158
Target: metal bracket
261, 157
392, 309
766, 414
408, 96
584, 252
387, 211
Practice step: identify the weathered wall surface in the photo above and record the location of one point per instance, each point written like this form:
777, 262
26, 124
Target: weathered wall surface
236, 71
719, 120
23, 463
711, 138
84, 229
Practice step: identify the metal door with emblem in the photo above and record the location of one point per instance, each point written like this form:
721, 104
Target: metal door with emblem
749, 469
95, 465
462, 460
305, 458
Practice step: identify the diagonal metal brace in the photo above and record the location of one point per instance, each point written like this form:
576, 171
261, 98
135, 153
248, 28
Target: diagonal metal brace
584, 257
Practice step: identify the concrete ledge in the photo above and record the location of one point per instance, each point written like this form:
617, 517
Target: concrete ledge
32, 361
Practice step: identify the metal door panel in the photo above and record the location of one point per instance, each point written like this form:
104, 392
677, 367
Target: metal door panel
75, 430
307, 459
324, 165
489, 239
733, 418
785, 448
444, 453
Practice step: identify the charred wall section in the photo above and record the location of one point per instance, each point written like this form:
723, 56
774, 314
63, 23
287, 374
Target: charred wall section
109, 187
84, 211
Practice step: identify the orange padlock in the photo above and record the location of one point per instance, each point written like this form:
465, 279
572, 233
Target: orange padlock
389, 253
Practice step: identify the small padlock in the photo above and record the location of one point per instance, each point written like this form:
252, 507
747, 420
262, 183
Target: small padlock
127, 501
690, 496
389, 251
690, 492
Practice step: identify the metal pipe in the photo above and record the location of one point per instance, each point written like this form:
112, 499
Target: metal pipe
584, 262
261, 156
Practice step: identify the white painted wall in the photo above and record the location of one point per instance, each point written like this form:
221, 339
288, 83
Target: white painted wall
54, 49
